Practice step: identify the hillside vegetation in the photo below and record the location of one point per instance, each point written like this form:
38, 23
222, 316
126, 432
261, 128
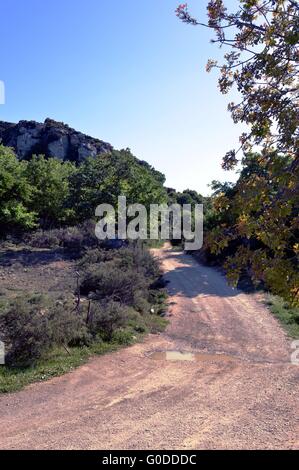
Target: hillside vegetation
64, 295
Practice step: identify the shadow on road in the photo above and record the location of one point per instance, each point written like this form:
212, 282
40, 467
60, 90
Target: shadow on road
191, 279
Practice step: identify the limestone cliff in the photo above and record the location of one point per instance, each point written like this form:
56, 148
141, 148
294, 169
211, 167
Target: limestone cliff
51, 138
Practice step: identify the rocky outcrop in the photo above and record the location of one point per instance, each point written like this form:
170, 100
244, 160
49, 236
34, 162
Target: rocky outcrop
52, 139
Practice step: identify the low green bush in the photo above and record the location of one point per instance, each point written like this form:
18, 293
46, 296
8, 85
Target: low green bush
122, 337
286, 314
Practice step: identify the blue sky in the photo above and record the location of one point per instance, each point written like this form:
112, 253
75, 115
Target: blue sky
125, 71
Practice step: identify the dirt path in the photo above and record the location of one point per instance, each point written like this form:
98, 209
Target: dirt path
127, 400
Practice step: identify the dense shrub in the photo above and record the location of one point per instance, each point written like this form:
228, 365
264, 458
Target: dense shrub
69, 238
140, 301
96, 256
123, 275
144, 262
81, 236
43, 239
107, 281
68, 325
125, 258
107, 318
32, 326
27, 333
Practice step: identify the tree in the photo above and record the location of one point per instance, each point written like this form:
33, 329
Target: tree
259, 227
262, 62
49, 179
15, 194
260, 214
104, 178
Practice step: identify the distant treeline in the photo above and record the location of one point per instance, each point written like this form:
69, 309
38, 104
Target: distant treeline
49, 193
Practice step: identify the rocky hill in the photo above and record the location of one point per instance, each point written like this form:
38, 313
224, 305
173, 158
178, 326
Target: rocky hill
51, 138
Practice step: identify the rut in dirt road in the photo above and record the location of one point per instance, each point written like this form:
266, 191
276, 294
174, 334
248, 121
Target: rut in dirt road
234, 388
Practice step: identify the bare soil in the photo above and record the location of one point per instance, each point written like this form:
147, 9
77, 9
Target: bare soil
36, 270
132, 400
